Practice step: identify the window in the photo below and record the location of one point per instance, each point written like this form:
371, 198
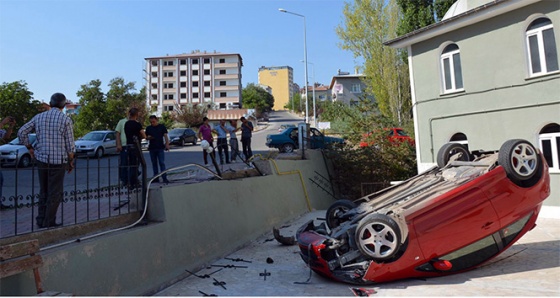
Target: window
167, 85
154, 96
195, 72
222, 83
451, 69
154, 74
541, 47
195, 83
222, 71
206, 60
195, 95
222, 106
168, 63
183, 73
207, 71
168, 96
154, 85
223, 94
168, 74
222, 60
206, 94
183, 61
549, 141
183, 95
356, 88
206, 83
168, 108
183, 84
154, 62
194, 61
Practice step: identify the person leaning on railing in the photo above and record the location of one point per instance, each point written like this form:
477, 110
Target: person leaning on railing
54, 153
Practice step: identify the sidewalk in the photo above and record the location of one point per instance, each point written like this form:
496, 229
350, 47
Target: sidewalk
531, 267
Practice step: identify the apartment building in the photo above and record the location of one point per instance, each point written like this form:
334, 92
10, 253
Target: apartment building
280, 79
198, 77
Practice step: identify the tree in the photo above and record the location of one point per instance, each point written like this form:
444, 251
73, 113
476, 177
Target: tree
92, 115
191, 114
297, 103
121, 98
368, 23
17, 101
255, 97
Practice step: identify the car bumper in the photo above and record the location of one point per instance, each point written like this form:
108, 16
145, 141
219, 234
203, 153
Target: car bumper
85, 152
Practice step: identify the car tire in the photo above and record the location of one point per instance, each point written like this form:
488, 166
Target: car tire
24, 161
182, 143
99, 152
450, 149
336, 210
287, 148
194, 142
521, 161
378, 236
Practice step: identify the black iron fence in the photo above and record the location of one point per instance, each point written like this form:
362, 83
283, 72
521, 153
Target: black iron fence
94, 190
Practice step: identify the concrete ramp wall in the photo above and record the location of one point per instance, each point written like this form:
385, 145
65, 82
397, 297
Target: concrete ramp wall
190, 226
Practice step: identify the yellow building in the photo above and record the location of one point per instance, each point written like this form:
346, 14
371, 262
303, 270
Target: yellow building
280, 79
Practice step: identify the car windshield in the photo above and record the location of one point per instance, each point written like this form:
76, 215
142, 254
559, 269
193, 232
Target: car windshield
32, 139
93, 136
176, 132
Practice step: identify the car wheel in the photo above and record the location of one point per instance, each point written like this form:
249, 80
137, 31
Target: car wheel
378, 236
194, 141
450, 149
287, 148
182, 143
521, 162
99, 153
336, 210
24, 161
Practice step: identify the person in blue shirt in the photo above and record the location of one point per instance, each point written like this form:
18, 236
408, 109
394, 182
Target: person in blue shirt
222, 144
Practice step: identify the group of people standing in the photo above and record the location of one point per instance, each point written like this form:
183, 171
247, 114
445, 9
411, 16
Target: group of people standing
54, 149
222, 130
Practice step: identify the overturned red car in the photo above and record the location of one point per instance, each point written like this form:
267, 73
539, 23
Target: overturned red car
452, 218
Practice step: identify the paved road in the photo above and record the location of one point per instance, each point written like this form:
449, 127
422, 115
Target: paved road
96, 173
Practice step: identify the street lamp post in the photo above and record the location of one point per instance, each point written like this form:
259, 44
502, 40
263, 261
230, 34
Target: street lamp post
304, 59
313, 86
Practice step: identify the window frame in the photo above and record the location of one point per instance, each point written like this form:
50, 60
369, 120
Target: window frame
449, 55
542, 55
554, 139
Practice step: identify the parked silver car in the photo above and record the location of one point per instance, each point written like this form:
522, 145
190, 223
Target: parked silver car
16, 154
97, 143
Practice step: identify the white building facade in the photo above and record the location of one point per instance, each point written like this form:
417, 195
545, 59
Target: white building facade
196, 78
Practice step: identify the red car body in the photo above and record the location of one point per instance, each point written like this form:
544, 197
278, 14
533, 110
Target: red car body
446, 220
394, 135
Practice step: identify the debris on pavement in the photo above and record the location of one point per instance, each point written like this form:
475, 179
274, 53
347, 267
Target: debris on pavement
282, 239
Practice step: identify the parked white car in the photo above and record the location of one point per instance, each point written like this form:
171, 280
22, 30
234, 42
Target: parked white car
16, 154
97, 143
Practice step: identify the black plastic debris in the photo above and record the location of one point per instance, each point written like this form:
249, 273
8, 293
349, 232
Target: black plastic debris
269, 260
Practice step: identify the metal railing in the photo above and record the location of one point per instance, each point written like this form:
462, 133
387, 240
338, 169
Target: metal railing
93, 191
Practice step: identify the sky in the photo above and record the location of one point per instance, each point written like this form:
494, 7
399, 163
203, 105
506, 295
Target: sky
60, 45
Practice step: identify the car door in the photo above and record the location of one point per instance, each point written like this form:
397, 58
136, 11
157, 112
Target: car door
317, 139
110, 143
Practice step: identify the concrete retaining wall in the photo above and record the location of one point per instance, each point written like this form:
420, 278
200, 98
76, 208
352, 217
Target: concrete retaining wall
191, 225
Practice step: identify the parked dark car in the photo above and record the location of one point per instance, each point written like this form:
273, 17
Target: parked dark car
181, 136
454, 217
287, 140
